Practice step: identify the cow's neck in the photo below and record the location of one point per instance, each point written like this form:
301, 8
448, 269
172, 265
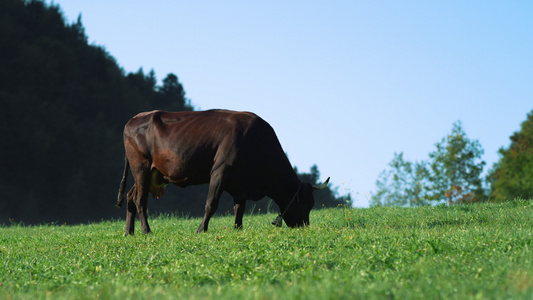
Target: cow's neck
284, 189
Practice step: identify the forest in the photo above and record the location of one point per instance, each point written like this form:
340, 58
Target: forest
64, 103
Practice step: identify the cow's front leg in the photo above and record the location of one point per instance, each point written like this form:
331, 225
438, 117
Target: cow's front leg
238, 208
211, 205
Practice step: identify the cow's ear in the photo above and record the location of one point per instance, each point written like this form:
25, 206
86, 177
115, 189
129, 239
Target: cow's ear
321, 186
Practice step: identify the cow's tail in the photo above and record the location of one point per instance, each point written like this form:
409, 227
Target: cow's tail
122, 187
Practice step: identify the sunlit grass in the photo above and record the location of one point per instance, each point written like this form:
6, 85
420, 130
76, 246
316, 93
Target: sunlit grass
473, 251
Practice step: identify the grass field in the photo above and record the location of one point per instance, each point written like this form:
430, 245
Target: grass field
480, 251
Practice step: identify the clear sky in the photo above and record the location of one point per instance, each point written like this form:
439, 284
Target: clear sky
345, 84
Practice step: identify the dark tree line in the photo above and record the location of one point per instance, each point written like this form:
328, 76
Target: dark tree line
63, 105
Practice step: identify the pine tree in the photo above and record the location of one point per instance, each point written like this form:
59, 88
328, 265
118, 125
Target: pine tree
172, 95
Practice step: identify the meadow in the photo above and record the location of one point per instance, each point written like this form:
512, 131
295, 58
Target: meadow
477, 251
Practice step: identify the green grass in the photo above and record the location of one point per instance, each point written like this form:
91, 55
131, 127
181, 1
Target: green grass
480, 251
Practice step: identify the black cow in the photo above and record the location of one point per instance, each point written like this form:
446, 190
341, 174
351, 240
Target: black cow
237, 152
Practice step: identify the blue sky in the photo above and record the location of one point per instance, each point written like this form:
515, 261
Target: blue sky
345, 84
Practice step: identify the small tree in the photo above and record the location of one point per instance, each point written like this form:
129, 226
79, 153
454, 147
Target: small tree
456, 168
403, 183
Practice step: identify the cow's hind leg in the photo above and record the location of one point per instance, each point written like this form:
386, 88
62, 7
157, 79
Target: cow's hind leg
238, 208
141, 173
131, 212
142, 207
211, 205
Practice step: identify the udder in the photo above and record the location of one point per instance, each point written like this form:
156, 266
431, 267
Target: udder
157, 183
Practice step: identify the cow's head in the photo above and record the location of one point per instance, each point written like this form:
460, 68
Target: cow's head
297, 214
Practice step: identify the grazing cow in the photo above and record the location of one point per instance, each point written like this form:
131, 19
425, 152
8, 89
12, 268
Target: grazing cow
237, 152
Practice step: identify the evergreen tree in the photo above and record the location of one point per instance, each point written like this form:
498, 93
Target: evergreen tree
172, 95
512, 176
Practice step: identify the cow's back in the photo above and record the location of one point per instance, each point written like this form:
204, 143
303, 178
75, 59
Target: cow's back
187, 146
